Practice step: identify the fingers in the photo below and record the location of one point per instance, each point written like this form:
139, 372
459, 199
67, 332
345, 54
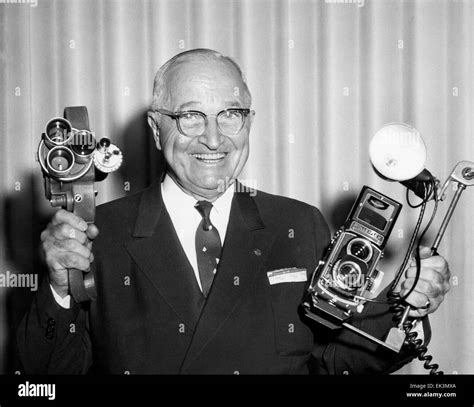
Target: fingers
431, 276
427, 260
65, 225
72, 245
425, 252
67, 260
66, 231
92, 231
63, 216
426, 287
422, 304
433, 279
67, 243
432, 286
437, 263
426, 273
428, 294
418, 300
63, 254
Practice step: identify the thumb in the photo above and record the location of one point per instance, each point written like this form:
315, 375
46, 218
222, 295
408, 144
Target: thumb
425, 252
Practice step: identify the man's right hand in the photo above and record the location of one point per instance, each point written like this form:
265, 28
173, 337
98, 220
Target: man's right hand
67, 243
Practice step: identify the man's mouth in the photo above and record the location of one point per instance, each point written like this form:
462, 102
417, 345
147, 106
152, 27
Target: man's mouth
210, 158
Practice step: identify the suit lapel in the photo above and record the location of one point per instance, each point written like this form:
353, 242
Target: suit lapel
159, 255
246, 246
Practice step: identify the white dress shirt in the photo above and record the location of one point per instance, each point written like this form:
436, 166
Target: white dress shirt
186, 219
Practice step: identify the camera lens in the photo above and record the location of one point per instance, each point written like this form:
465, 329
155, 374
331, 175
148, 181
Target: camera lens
59, 161
83, 145
347, 275
58, 132
360, 248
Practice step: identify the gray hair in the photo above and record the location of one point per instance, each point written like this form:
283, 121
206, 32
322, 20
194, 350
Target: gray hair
160, 94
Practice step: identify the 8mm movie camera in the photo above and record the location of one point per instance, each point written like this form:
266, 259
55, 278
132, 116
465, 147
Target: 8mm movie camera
71, 161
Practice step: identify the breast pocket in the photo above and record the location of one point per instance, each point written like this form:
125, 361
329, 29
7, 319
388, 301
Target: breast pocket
292, 335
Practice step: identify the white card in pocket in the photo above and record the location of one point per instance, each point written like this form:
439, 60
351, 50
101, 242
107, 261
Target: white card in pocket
288, 275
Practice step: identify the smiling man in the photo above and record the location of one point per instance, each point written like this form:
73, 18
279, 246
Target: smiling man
184, 268
201, 120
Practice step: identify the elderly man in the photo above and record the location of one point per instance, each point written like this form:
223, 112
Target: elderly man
181, 267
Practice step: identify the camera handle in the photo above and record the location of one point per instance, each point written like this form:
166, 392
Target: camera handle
462, 176
82, 285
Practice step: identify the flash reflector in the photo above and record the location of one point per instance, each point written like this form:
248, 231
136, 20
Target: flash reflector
398, 152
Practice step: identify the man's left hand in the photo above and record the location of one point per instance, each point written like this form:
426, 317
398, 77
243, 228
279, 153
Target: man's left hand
432, 286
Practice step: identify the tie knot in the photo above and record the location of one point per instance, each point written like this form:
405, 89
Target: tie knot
204, 208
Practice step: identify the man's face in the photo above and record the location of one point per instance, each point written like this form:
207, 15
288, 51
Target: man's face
203, 165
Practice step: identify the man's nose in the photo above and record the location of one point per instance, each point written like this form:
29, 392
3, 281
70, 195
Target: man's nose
212, 137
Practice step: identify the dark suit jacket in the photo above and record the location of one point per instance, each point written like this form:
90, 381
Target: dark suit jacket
150, 316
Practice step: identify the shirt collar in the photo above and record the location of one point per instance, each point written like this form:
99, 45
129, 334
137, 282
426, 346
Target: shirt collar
173, 193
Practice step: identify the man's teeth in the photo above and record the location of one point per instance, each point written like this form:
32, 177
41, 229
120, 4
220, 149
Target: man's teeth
209, 157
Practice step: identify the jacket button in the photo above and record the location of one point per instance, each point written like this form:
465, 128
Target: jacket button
345, 372
50, 328
257, 252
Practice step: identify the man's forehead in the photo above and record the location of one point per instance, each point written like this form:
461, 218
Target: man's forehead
205, 83
216, 72
201, 105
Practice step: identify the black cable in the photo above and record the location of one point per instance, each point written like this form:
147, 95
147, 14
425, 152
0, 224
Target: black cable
409, 251
429, 192
399, 303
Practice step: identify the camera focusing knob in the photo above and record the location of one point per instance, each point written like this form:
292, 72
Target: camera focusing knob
108, 157
104, 144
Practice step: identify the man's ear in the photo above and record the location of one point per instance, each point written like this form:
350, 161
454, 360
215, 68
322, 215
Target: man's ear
252, 116
153, 120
